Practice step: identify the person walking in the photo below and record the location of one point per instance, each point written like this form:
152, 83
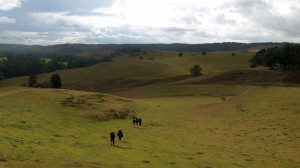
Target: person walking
112, 139
120, 134
133, 122
140, 121
136, 121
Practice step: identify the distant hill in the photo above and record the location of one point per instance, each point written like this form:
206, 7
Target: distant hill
52, 50
131, 72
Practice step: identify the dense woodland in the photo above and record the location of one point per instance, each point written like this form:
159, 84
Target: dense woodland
286, 57
128, 51
24, 65
73, 49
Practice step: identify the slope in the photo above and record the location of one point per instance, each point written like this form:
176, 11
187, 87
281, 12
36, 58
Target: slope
124, 73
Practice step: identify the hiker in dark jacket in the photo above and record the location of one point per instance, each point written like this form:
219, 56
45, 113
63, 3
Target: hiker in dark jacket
120, 134
136, 121
140, 121
133, 122
112, 139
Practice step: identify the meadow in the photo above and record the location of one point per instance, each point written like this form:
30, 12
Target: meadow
2, 58
185, 124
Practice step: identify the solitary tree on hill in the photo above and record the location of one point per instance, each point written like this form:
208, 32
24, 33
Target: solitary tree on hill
180, 54
195, 71
204, 53
55, 81
233, 54
32, 80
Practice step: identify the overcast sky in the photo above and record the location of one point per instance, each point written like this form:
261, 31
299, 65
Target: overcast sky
148, 21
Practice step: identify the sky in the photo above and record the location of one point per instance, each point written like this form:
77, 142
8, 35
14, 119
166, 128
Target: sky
48, 22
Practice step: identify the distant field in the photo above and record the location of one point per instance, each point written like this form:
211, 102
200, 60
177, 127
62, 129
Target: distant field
131, 72
2, 58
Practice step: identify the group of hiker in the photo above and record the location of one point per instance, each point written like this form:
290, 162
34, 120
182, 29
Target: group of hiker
135, 121
113, 136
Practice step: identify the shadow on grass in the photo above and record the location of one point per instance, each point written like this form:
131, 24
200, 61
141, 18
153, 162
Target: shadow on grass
121, 147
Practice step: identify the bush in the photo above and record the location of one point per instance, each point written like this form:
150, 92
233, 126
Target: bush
55, 81
204, 53
180, 54
195, 71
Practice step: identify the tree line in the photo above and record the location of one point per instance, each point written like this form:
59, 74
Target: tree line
73, 49
25, 65
286, 57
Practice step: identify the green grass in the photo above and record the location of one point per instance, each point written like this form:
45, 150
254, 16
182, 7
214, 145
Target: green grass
181, 90
187, 131
184, 125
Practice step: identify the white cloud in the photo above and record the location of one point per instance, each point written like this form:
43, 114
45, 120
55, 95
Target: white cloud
171, 21
4, 19
9, 4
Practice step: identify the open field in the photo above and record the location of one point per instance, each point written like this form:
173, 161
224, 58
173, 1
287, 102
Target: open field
230, 116
187, 131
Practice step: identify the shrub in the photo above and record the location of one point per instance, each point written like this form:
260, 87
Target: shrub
55, 81
195, 71
180, 54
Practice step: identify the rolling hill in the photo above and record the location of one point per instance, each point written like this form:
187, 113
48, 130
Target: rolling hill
131, 72
231, 116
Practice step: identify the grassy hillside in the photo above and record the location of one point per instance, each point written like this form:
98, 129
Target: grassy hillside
230, 116
126, 73
39, 129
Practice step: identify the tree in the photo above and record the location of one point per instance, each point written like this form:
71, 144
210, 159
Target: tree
55, 81
285, 57
233, 54
32, 80
195, 71
2, 77
141, 58
204, 53
53, 65
180, 54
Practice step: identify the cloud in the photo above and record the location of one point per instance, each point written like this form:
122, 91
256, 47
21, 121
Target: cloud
143, 21
9, 4
4, 19
271, 15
